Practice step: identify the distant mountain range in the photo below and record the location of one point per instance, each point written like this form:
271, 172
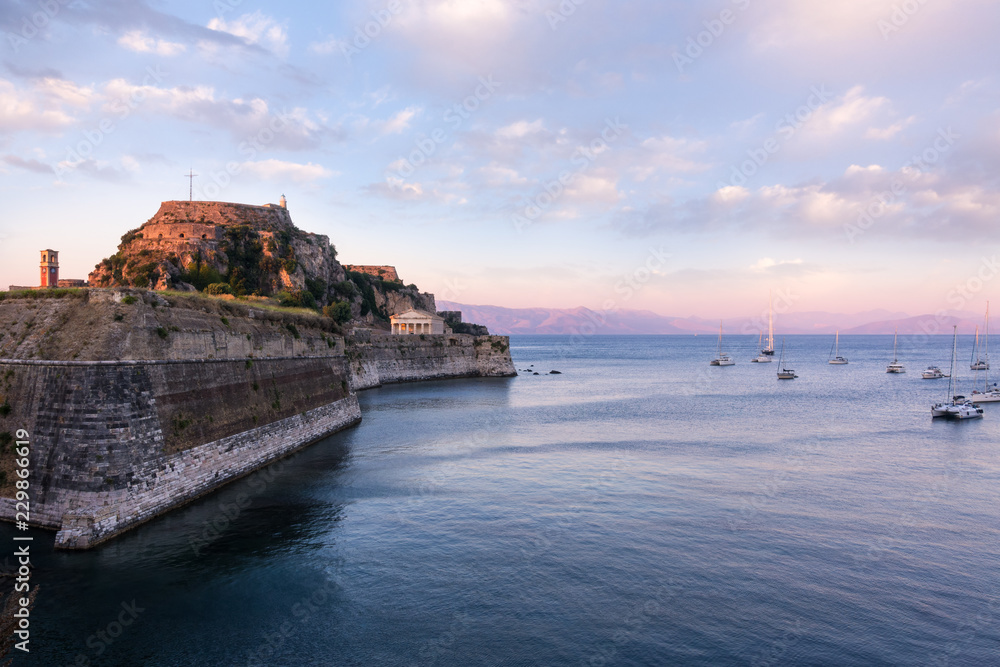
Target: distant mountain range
564, 321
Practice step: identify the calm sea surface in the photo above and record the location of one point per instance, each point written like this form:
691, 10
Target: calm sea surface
641, 508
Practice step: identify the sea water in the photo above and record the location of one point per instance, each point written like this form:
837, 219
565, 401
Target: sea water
640, 508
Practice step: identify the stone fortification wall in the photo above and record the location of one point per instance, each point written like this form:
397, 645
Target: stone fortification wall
115, 443
375, 358
383, 272
272, 218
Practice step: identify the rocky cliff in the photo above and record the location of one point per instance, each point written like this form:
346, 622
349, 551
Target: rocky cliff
254, 249
251, 250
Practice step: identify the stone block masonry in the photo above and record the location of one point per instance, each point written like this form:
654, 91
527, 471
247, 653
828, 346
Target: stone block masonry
381, 272
117, 443
376, 358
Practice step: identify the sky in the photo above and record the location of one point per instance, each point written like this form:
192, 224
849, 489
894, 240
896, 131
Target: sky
680, 157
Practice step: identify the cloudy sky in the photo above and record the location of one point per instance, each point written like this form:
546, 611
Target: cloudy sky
682, 157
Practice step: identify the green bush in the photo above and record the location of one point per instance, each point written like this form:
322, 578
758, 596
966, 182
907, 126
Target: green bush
218, 288
162, 333
317, 287
200, 276
338, 311
128, 299
63, 292
142, 275
130, 236
296, 299
346, 289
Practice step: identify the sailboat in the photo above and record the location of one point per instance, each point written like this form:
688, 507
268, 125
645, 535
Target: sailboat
978, 363
721, 358
988, 394
955, 407
835, 357
895, 366
767, 352
784, 373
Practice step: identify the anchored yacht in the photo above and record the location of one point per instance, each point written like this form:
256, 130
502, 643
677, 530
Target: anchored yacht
955, 407
895, 366
721, 358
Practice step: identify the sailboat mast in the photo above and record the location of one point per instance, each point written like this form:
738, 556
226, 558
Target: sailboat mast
951, 375
720, 339
837, 345
770, 322
895, 336
986, 375
975, 348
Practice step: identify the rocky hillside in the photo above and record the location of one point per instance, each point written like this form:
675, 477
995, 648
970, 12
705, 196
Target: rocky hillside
239, 249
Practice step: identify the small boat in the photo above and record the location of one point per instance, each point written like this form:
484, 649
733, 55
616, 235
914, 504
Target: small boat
721, 358
763, 357
835, 357
933, 373
978, 363
989, 394
767, 352
958, 407
895, 366
784, 373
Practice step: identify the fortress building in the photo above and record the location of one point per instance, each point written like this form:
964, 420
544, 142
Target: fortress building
381, 272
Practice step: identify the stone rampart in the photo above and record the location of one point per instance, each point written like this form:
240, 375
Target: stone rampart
375, 358
113, 444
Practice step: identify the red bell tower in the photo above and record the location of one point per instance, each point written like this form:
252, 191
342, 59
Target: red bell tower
50, 268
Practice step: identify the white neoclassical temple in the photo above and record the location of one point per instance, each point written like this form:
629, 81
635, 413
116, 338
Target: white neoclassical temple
417, 322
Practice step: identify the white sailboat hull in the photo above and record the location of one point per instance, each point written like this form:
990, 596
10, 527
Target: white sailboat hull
839, 361
956, 411
988, 397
